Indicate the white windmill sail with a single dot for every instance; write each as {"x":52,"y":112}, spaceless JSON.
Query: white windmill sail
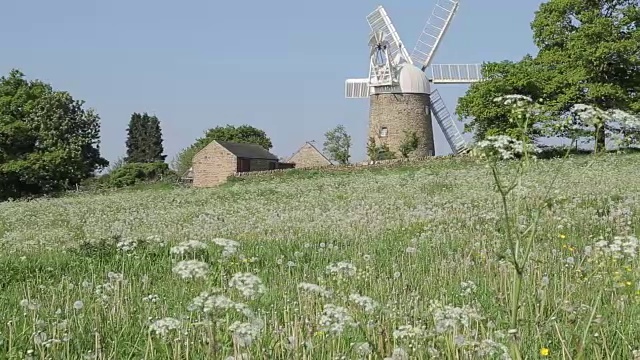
{"x":433,"y":32}
{"x":455,"y":73}
{"x":379,"y":21}
{"x":356,"y":88}
{"x":447,"y":124}
{"x":388,"y":51}
{"x":422,"y":55}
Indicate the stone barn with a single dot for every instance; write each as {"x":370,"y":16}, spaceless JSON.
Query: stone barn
{"x":217,"y":161}
{"x":308,"y":156}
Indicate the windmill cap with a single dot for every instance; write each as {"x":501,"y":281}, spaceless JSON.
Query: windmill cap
{"x":412,"y":80}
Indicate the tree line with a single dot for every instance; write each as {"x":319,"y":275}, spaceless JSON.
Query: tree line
{"x":588,"y":55}
{"x":50,"y":143}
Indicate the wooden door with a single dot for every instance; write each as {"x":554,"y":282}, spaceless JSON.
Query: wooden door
{"x":244,"y":165}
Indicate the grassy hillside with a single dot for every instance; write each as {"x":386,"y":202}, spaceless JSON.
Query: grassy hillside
{"x":358,"y":265}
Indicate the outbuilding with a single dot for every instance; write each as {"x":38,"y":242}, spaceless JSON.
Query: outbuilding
{"x":308,"y":156}
{"x":220,"y":159}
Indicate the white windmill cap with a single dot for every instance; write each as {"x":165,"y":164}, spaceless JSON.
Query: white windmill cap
{"x":412,"y":80}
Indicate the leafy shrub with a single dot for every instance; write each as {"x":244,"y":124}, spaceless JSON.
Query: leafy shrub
{"x":135,"y":173}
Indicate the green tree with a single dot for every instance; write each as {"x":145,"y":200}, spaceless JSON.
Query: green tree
{"x":48,"y":142}
{"x":240,"y":134}
{"x":144,"y":139}
{"x":338,"y":144}
{"x":379,"y":152}
{"x":507,"y":77}
{"x":409,"y":143}
{"x":594,"y":48}
{"x":588,"y":54}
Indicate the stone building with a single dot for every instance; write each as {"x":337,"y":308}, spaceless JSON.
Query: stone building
{"x":217,"y":161}
{"x":308,"y":156}
{"x":395,"y":112}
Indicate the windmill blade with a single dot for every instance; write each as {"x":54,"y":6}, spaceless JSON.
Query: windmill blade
{"x":379,"y":21}
{"x":455,"y":73}
{"x":433,"y":32}
{"x":356,"y":88}
{"x":449,"y":129}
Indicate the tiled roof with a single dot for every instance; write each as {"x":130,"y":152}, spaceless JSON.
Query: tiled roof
{"x":249,"y":151}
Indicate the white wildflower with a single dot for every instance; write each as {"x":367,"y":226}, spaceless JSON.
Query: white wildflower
{"x":126,"y":244}
{"x":334,"y":319}
{"x":115,"y":277}
{"x":188,"y":269}
{"x":367,"y":303}
{"x":468,"y":288}
{"x":545,"y":280}
{"x":40,"y":337}
{"x":342,"y":269}
{"x":157,"y":240}
{"x":208,"y":301}
{"x":363,"y":349}
{"x":491,"y":348}
{"x":188,"y":246}
{"x":619,"y":248}
{"x":151,"y":298}
{"x":244,"y":333}
{"x":590,"y":115}
{"x":504,"y":147}
{"x":409,"y":332}
{"x":314,"y":289}
{"x":398,"y":354}
{"x":450,"y":318}
{"x":29,"y":304}
{"x":229,"y":246}
{"x":78,"y":305}
{"x":248,"y":284}
{"x":163,"y":326}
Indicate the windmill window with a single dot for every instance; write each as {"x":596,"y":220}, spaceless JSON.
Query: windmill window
{"x":383,"y":132}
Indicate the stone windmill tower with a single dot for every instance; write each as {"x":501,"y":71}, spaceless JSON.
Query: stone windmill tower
{"x":399,"y":89}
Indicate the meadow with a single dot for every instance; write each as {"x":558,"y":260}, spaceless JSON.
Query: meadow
{"x":405,"y":263}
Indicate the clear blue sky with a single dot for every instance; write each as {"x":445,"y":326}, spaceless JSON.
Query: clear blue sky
{"x":279,"y":66}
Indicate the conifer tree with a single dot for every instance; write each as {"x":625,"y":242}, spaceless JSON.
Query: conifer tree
{"x":144,"y":139}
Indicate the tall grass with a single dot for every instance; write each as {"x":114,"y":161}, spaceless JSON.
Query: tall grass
{"x":371,"y":265}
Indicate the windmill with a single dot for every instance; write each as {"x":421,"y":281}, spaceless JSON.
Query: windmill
{"x":399,"y":89}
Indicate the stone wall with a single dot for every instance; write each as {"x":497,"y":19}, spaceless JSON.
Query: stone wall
{"x":308,"y":157}
{"x":354,"y":167}
{"x":397,"y":113}
{"x":213,"y":165}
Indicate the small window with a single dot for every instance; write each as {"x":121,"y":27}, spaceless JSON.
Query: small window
{"x":383,"y":132}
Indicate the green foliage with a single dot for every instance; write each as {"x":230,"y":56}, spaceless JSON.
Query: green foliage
{"x":48,"y":142}
{"x":182,"y":161}
{"x":239,"y":134}
{"x":409,"y":143}
{"x":144,"y":139}
{"x":134,"y":173}
{"x":507,"y":77}
{"x":337,"y":144}
{"x":114,"y":165}
{"x":379,"y":152}
{"x":588,"y":54}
